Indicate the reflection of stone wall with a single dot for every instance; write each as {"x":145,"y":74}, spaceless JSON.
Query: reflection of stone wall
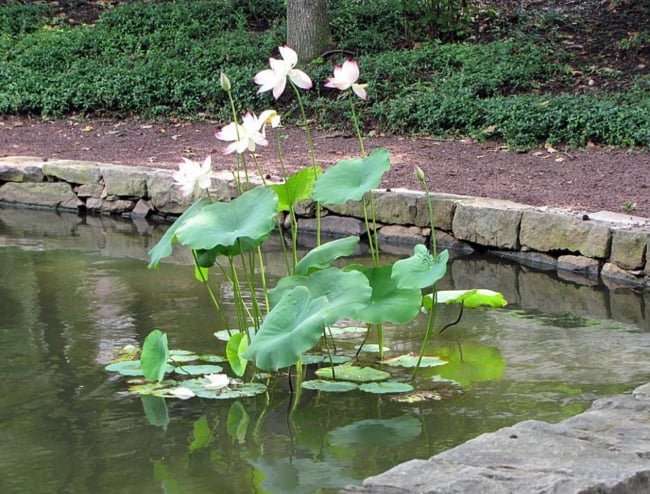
{"x":611,"y":246}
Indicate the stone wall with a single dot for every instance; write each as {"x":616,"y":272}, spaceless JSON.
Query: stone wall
{"x":585,"y":246}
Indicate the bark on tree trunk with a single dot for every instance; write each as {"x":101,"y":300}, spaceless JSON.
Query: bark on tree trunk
{"x":308,"y":31}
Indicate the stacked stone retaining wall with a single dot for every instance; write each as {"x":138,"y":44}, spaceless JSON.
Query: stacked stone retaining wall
{"x":588,"y":245}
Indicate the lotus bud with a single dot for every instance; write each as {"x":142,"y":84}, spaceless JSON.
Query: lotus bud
{"x":419,"y":174}
{"x":225,"y":82}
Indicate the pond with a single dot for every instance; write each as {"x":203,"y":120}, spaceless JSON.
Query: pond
{"x":75,"y":290}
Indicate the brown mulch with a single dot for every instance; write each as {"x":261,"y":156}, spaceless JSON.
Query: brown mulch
{"x":592,"y":179}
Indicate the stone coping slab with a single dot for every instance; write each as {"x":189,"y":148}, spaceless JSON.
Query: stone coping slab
{"x":603,"y":450}
{"x":612,"y":247}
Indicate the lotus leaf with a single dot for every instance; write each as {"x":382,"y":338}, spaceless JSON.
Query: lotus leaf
{"x":420,"y":270}
{"x":353,"y":373}
{"x":237,"y":345}
{"x":239,"y":225}
{"x":386,"y":387}
{"x":155,"y":354}
{"x":412,"y":360}
{"x":469,"y":298}
{"x":349,"y":180}
{"x":198,"y":370}
{"x":292,"y":327}
{"x":298,"y":187}
{"x":164,"y":247}
{"x":329,"y":386}
{"x":324,"y":255}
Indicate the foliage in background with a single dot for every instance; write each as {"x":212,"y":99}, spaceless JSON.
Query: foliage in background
{"x":163,"y":59}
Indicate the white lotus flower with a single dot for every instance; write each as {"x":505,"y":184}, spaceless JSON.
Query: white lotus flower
{"x":182,"y":393}
{"x":216,"y":381}
{"x":275,"y":78}
{"x":192,"y":176}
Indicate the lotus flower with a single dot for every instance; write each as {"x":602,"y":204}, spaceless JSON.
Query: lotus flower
{"x":192,"y":176}
{"x":182,"y":393}
{"x":275,"y":78}
{"x":245,"y":136}
{"x":216,"y":381}
{"x":345,"y":77}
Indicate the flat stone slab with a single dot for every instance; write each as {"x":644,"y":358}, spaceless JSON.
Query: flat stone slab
{"x":603,"y":450}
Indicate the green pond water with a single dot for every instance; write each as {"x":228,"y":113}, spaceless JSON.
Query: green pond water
{"x":73,"y":291}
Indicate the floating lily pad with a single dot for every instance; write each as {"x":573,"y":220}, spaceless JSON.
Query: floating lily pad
{"x":372,"y":348}
{"x":346,"y":331}
{"x":412,"y":360}
{"x":198,"y":370}
{"x":182,"y":356}
{"x":154,"y":389}
{"x":329,"y":386}
{"x":386,"y":387}
{"x":130,"y":368}
{"x":213,"y":359}
{"x":309,"y":359}
{"x":347,"y":372}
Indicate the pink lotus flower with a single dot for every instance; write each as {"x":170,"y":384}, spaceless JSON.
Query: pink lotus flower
{"x":192,"y":176}
{"x":245,"y":136}
{"x":345,"y":77}
{"x":275,"y":78}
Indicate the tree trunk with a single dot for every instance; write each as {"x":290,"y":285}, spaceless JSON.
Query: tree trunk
{"x":308,"y":29}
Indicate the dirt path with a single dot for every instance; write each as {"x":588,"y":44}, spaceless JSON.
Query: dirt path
{"x":592,"y":179}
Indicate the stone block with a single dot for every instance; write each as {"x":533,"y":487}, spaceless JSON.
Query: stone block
{"x":399,"y":239}
{"x":578,"y":264}
{"x":21,"y":169}
{"x":552,"y":231}
{"x":126,"y":181}
{"x":90,"y":190}
{"x":629,"y":248}
{"x":615,"y":277}
{"x":443,"y":205}
{"x":395,"y":207}
{"x":537,"y":260}
{"x":142,"y":209}
{"x":487,"y":222}
{"x":47,"y":195}
{"x":165,"y":196}
{"x":456,"y":248}
{"x":117,"y":206}
{"x":74,"y":171}
{"x":333,"y":226}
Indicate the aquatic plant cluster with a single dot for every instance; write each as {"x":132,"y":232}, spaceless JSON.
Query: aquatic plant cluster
{"x":294,"y":323}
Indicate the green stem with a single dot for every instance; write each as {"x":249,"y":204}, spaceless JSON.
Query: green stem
{"x":213,"y":298}
{"x":312,"y":153}
{"x":355,"y":120}
{"x":429,"y":330}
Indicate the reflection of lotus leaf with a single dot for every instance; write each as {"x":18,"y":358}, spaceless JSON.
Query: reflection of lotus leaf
{"x":377,"y":432}
{"x":468,"y":363}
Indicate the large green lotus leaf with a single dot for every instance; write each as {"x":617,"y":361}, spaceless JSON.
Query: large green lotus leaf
{"x":420,"y":270}
{"x":378,"y":432}
{"x":329,"y":386}
{"x":292,"y":327}
{"x":471,"y":299}
{"x":155,"y":410}
{"x":388,"y":302}
{"x":164,"y":247}
{"x":346,"y":372}
{"x":298,"y":187}
{"x":324,"y":255}
{"x":349,"y":180}
{"x":155,"y":354}
{"x":468,"y":363}
{"x":131,"y":368}
{"x":386,"y":387}
{"x":345,"y":292}
{"x":241,"y":224}
{"x":236,"y":346}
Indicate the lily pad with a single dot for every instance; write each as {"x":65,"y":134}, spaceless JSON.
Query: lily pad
{"x":213,"y":359}
{"x":412,"y":360}
{"x":386,"y":387}
{"x":353,"y":373}
{"x":235,"y":348}
{"x":329,"y":386}
{"x":298,"y":186}
{"x":225,"y":334}
{"x":346,"y":331}
{"x":131,"y":368}
{"x":471,"y":299}
{"x":197,"y":370}
{"x":372,"y":348}
{"x":309,"y":359}
{"x":182,"y":356}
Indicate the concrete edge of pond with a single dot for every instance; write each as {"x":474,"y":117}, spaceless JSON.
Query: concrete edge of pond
{"x":605,"y":449}
{"x":582,"y":245}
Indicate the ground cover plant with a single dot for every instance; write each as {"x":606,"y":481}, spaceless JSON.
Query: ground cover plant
{"x":514,"y":74}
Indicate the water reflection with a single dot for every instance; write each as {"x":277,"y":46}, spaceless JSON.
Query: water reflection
{"x":72,"y":290}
